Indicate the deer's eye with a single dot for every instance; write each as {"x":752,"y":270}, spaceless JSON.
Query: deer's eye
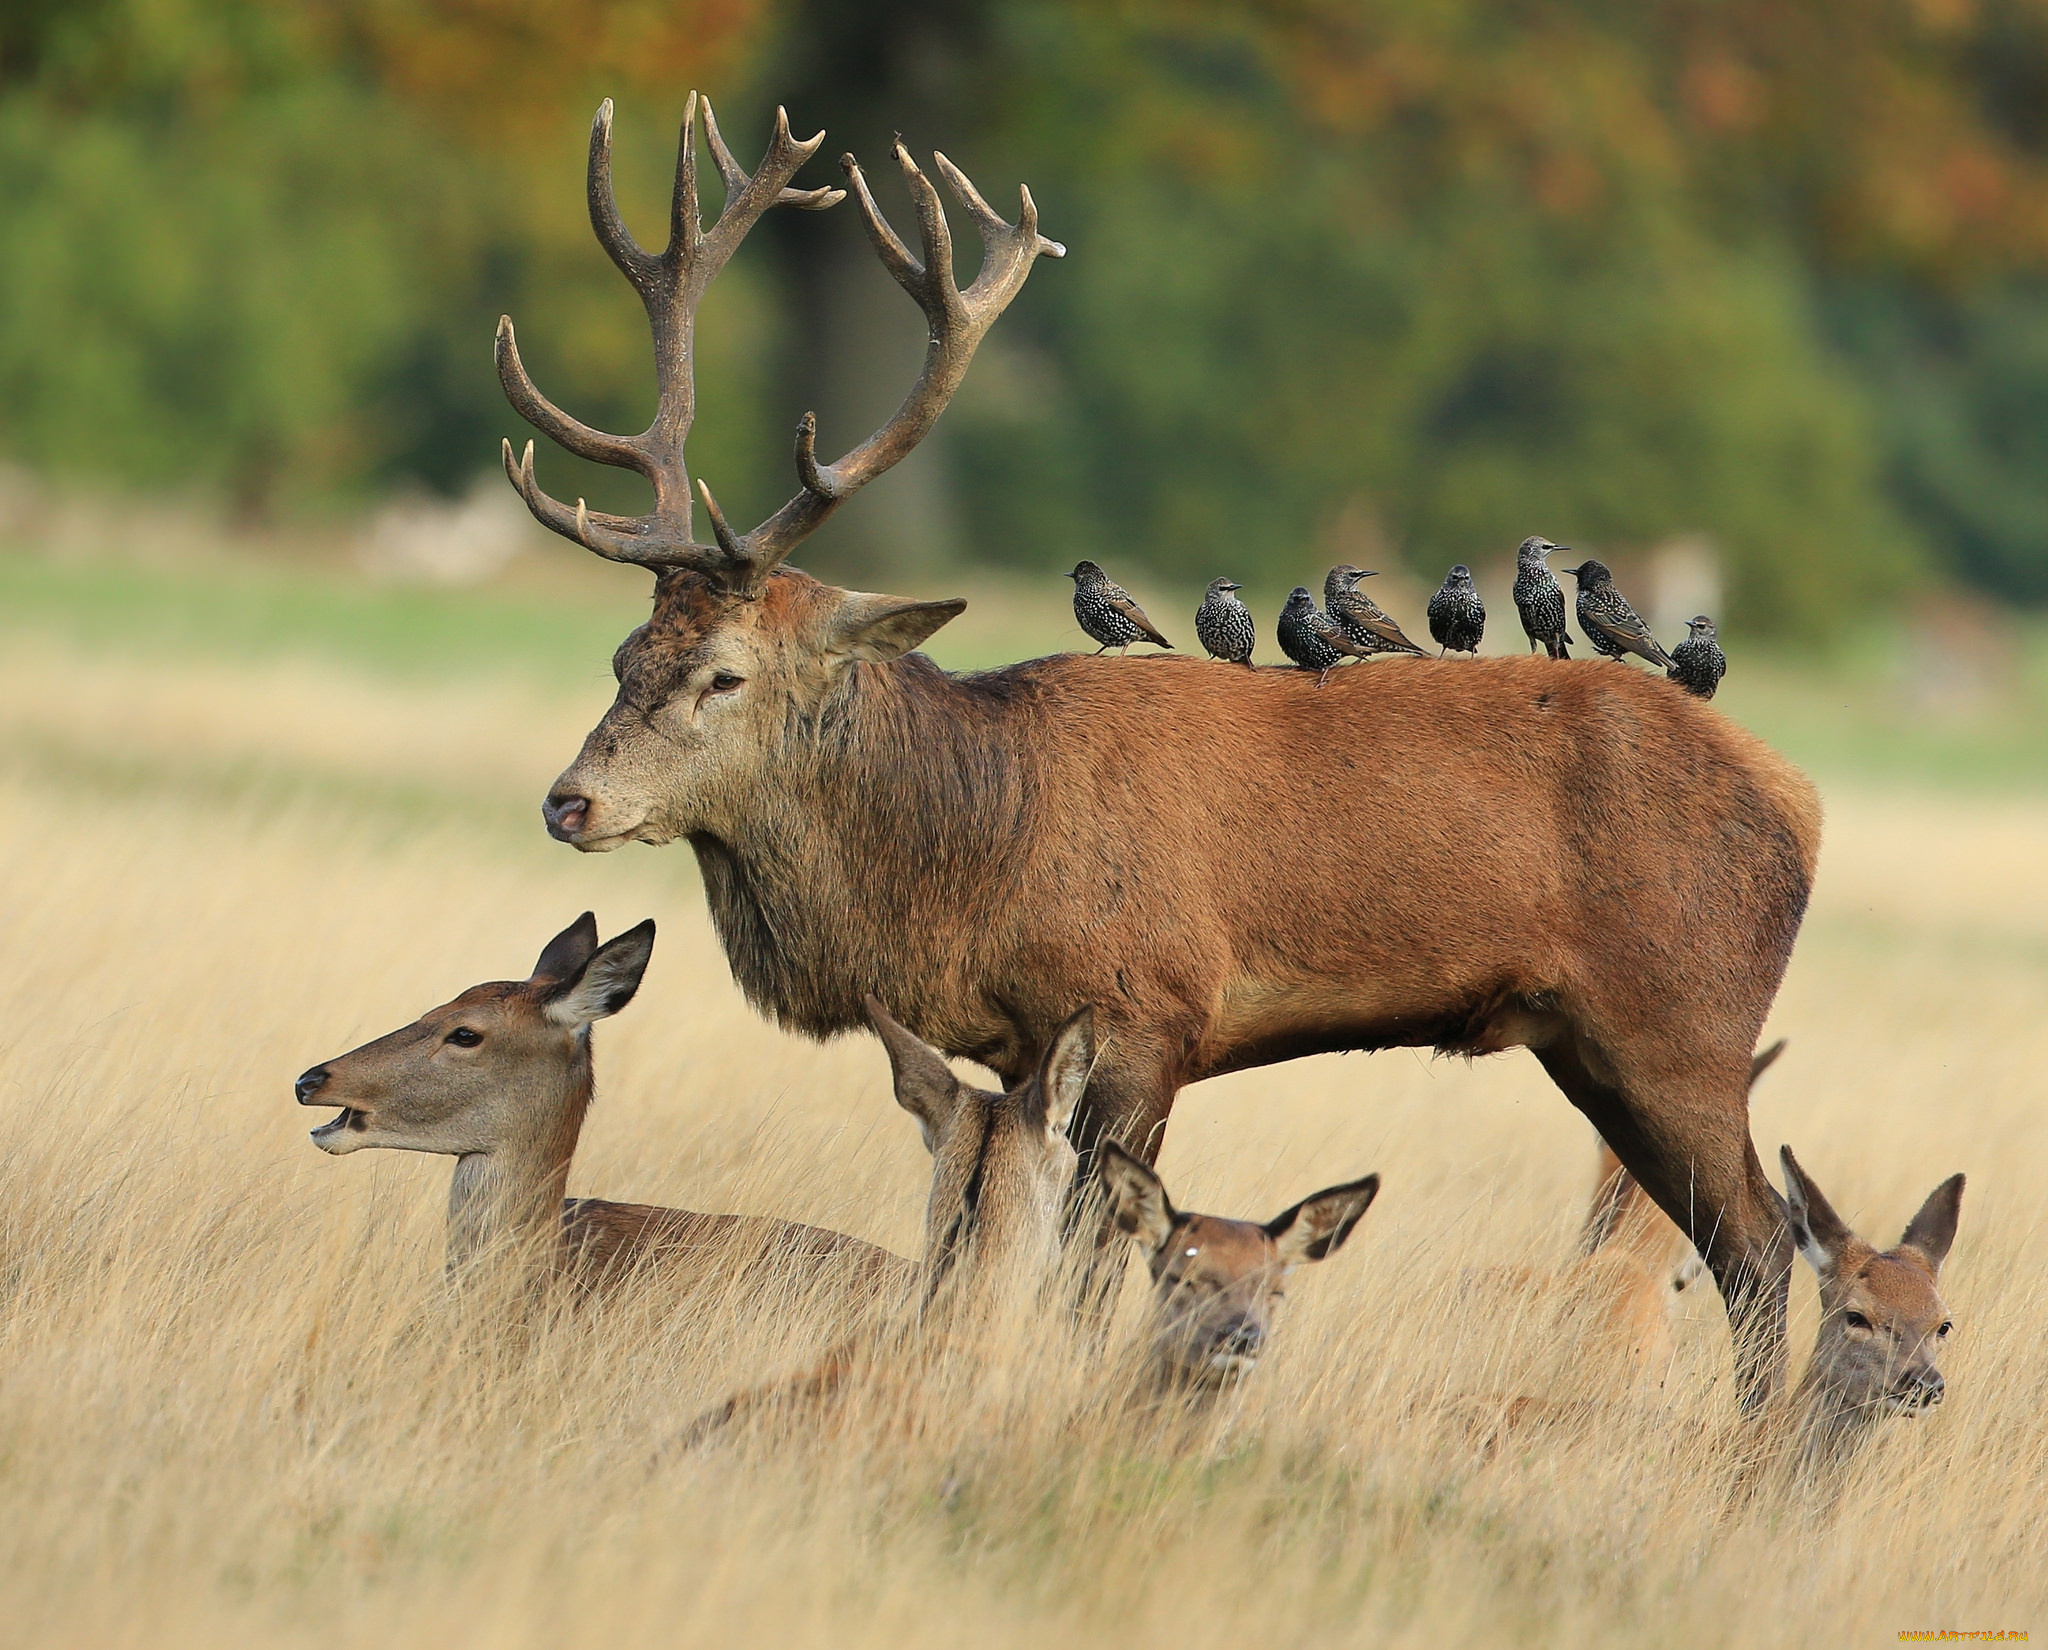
{"x":1942,"y":1332}
{"x":1855,"y":1320}
{"x":463,"y":1037}
{"x":725,"y":682}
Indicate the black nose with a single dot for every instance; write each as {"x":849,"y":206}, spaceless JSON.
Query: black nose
{"x":1244,"y":1340}
{"x":565,"y":815}
{"x":1928,"y":1390}
{"x":310,"y":1084}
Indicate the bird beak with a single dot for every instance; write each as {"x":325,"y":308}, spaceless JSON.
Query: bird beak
{"x":1070,"y":575}
{"x":1371,"y":575}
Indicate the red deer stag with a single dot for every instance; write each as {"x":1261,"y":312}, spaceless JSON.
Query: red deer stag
{"x":1469,"y":855}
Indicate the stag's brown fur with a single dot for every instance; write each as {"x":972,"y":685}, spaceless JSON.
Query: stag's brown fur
{"x":1573,"y":857}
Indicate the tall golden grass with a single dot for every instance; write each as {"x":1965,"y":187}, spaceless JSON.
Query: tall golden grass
{"x":232,"y":1408}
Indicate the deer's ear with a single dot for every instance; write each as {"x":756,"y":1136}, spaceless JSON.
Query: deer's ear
{"x":1933,"y":1229}
{"x":925,"y":1084}
{"x":1820,"y":1233}
{"x":878,"y":628}
{"x":569,"y":950}
{"x":1064,"y":1071}
{"x":1137,"y":1197}
{"x":1317,"y":1226}
{"x":607,"y":980}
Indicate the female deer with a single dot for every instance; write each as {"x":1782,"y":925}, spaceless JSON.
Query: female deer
{"x":500,"y":1079}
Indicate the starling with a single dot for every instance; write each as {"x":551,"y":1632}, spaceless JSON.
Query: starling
{"x":1539,"y":598}
{"x":1457,"y":617}
{"x":1610,"y":624}
{"x":1223,"y":624}
{"x":1104,"y":609}
{"x":1697,"y":663}
{"x":1360,"y":615}
{"x":1311,"y":638}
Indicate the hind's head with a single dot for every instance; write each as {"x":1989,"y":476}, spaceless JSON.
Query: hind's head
{"x":504,"y":1063}
{"x":1217,"y":1283}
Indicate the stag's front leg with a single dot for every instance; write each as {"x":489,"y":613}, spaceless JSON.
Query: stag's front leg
{"x":1129,"y":1097}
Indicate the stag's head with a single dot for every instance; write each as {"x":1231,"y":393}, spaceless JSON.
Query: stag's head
{"x":738,"y":652}
{"x":1001,"y":1164}
{"x":1883,"y":1321}
{"x":1217,"y":1283}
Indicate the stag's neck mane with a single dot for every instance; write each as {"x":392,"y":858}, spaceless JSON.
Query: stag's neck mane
{"x":890,"y":829}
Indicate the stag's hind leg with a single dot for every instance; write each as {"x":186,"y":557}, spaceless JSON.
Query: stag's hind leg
{"x":1684,"y":1135}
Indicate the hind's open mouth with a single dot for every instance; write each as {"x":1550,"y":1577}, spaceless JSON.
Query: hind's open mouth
{"x":333,"y":1136}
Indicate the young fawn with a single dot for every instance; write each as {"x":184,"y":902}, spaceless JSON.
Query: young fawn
{"x":500,"y":1079}
{"x":1882,"y":1322}
{"x":1217,"y":1283}
{"x":1001,"y":1169}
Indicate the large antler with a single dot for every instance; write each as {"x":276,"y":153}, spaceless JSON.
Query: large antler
{"x":671,"y":286}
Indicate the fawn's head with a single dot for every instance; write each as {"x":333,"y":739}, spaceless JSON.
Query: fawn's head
{"x":504,"y":1064}
{"x":1001,"y":1163}
{"x":1883,"y":1321}
{"x":1217,"y":1283}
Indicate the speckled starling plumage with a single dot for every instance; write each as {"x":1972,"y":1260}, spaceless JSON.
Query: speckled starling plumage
{"x":1104,"y":609}
{"x":1223,"y":624}
{"x":1611,"y":625}
{"x":1457,"y":617}
{"x":1539,"y":598}
{"x":1311,"y":638}
{"x":1697,"y":663}
{"x":1361,"y":617}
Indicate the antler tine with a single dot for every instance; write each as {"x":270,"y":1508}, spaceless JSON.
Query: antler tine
{"x":609,"y":536}
{"x":550,"y":420}
{"x":685,"y":227}
{"x":958,"y":323}
{"x":889,"y":247}
{"x":635,"y":262}
{"x":736,"y":179}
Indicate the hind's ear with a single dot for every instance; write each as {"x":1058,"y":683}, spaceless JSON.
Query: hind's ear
{"x":1063,"y":1072}
{"x":886,"y":627}
{"x":925,"y":1084}
{"x":1933,"y":1229}
{"x":1317,"y":1226}
{"x":1820,"y":1233}
{"x":607,"y":980}
{"x":569,"y":950}
{"x":1137,"y":1197}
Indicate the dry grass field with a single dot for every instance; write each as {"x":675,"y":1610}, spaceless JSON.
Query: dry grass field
{"x":232,"y":1411}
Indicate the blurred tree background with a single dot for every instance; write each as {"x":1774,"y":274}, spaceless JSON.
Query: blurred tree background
{"x":1407,"y":279}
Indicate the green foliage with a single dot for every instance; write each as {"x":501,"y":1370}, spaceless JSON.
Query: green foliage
{"x":1407,"y":280}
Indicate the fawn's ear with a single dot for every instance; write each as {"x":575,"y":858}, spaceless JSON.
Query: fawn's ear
{"x":1137,"y":1197}
{"x":1820,"y":1233}
{"x":1317,"y":1226}
{"x":1064,"y":1071}
{"x":569,"y":950}
{"x":1933,"y":1229}
{"x":606,"y":981}
{"x":925,"y":1084}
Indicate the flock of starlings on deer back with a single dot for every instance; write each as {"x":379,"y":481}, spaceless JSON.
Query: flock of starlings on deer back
{"x":501,"y":1077}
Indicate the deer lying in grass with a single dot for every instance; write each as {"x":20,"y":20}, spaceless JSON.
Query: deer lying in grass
{"x":1216,"y":1283}
{"x":500,"y":1079}
{"x":1875,"y":1353}
{"x":1001,"y":1169}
